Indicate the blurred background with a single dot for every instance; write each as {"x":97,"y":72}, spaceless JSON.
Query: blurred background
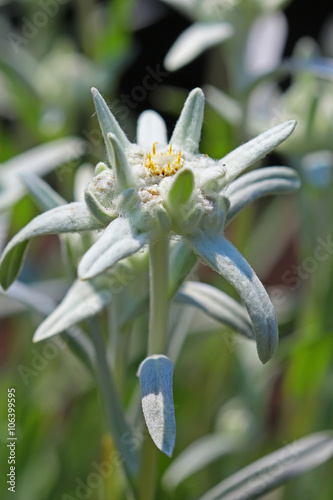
{"x":260,"y":62}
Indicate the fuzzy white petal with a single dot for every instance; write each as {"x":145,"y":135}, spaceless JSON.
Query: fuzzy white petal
{"x":151,"y":128}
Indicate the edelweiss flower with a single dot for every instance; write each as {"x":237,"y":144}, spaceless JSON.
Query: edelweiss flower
{"x":159,"y":188}
{"x":149,"y":193}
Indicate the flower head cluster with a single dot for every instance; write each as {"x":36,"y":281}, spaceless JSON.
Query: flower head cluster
{"x":159,"y":186}
{"x":166,"y":188}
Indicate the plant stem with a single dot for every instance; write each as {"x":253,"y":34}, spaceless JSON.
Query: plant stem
{"x":148,"y":474}
{"x":159,"y":302}
{"x":157,"y":342}
{"x":113,"y":332}
{"x":120,"y":431}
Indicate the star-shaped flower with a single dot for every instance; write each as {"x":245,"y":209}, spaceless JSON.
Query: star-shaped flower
{"x":148,"y":194}
{"x":159,"y":187}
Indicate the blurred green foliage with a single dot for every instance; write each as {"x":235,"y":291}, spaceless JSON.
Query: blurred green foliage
{"x":45,"y":85}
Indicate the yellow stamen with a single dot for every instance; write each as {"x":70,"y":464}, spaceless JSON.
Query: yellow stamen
{"x":163,"y":163}
{"x":179,"y":157}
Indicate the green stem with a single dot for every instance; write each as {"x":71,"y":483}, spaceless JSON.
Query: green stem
{"x":148,"y":470}
{"x":120,"y":431}
{"x":157,"y":343}
{"x":113,"y":332}
{"x":159,"y":302}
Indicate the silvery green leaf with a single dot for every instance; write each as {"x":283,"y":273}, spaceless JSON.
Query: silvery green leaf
{"x":225,"y":259}
{"x":262,"y":182}
{"x":155,"y":374}
{"x":30,"y":297}
{"x":70,"y":218}
{"x":196,"y":456}
{"x":269,"y":472}
{"x":151,"y":128}
{"x":123,"y":174}
{"x":83,"y":300}
{"x":42,"y":193}
{"x":195,"y":40}
{"x":187,"y":131}
{"x":42,"y":159}
{"x":107,"y":121}
{"x":117,"y":242}
{"x":242,"y":157}
{"x":216,"y":304}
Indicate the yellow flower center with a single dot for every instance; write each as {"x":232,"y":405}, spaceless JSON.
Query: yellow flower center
{"x":163,"y":163}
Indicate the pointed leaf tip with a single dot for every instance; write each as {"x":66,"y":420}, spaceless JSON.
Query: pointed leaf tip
{"x":107,"y":121}
{"x":245,"y":155}
{"x":187,"y":131}
{"x":225,"y":259}
{"x":155,"y":374}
